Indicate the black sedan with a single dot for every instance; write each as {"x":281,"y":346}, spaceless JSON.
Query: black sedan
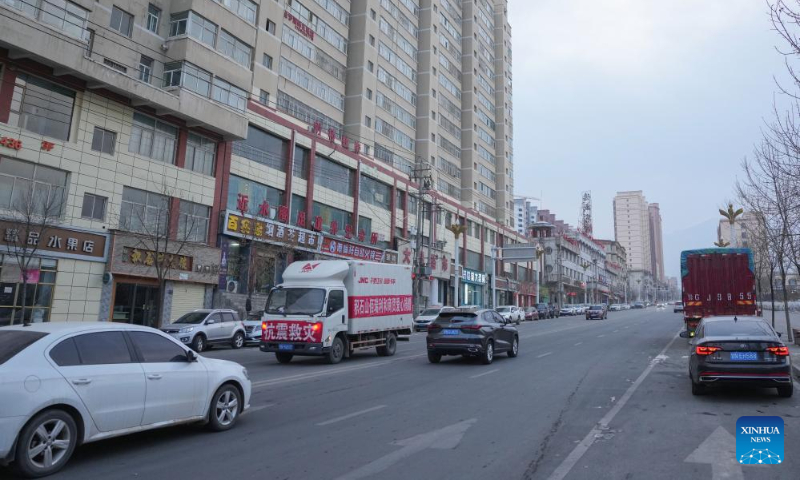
{"x":738,"y":351}
{"x":481,"y":333}
{"x":598,"y":312}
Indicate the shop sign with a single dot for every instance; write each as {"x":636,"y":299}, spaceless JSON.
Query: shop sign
{"x":16,"y":144}
{"x":55,"y":242}
{"x":148,"y":258}
{"x":299,"y":25}
{"x":473,"y":276}
{"x":334,"y":246}
{"x":437,"y":260}
{"x":265,"y":230}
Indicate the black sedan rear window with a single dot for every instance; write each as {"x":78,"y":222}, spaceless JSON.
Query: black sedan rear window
{"x":456,"y":318}
{"x":14,"y":341}
{"x":740,"y":328}
{"x":596,"y":307}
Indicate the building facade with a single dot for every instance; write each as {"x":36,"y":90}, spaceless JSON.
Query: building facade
{"x":526,"y":213}
{"x":656,"y":244}
{"x":632,"y":231}
{"x":252,"y":134}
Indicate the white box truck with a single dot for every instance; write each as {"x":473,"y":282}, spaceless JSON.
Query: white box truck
{"x":333,"y":307}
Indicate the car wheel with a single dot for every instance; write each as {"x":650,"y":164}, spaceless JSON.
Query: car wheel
{"x":785,"y":391}
{"x":434,"y":357}
{"x":46,"y":443}
{"x":199,"y":343}
{"x":284,"y":357}
{"x":224,"y":409}
{"x":488,"y":354}
{"x":514,"y":348}
{"x":336,"y":353}
{"x":698,"y":388}
{"x":238,"y":340}
{"x":390,"y":348}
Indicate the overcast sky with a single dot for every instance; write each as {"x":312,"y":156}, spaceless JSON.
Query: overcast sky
{"x":661,"y":96}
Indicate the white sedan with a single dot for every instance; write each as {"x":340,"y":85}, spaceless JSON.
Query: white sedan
{"x":65,"y":384}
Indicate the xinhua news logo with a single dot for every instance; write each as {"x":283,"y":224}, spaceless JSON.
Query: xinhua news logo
{"x":759,"y":440}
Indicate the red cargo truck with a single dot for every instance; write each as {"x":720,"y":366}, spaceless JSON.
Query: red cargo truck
{"x":717,"y":281}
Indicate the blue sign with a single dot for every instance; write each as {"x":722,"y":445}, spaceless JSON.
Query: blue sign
{"x":759,"y":440}
{"x":473,"y":276}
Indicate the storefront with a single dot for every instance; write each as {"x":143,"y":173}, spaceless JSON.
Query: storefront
{"x":436,"y":288}
{"x":506,"y":290}
{"x":58,"y":265}
{"x":473,"y":284}
{"x":132,"y":288}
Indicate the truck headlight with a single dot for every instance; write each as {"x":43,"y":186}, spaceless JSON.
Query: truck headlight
{"x":185,"y":329}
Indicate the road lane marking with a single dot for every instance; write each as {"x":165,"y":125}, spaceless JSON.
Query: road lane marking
{"x":485,"y":373}
{"x":544,"y":355}
{"x":574,"y":457}
{"x":260,"y":407}
{"x":350,"y":415}
{"x":579,"y":343}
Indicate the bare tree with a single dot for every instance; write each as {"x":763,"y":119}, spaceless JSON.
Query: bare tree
{"x":34,"y":211}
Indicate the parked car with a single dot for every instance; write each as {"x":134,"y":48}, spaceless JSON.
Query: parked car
{"x":202,"y":328}
{"x":637,"y":305}
{"x":567,"y":311}
{"x":252,"y":328}
{"x":678,"y":308}
{"x":511,"y":313}
{"x":427,"y":316}
{"x":71,"y":383}
{"x":481,"y":333}
{"x":741,"y":350}
{"x":546,"y":310}
{"x":531,"y":313}
{"x":598,"y":312}
{"x":626,"y":306}
{"x":615,"y":307}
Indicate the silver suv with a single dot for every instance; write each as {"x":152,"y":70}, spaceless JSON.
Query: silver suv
{"x":202,"y":328}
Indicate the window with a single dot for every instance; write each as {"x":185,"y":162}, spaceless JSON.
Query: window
{"x":271,"y":27}
{"x":65,"y":16}
{"x":396,"y":110}
{"x":185,"y":74}
{"x":372,"y":13}
{"x":14,"y":341}
{"x":312,"y":84}
{"x":121,"y":21}
{"x":389,"y":131}
{"x":243,"y":8}
{"x":104,"y":140}
{"x":367,"y":121}
{"x":41,"y":107}
{"x":145,"y":69}
{"x":369,"y":94}
{"x":65,"y":354}
{"x":103,"y":348}
{"x":334,"y":176}
{"x":370,"y":66}
{"x":200,"y":154}
{"x":330,"y":214}
{"x":94,"y":206}
{"x":153,"y":17}
{"x":307,"y":49}
{"x":256,"y":194}
{"x":263,"y":97}
{"x":153,"y":138}
{"x":227,"y":94}
{"x":153,"y":348}
{"x":195,"y":26}
{"x":335,"y":301}
{"x":372,"y":40}
{"x":143,"y":212}
{"x":116,"y":66}
{"x":234,"y":48}
{"x":178,"y":24}
{"x":267,"y":61}
{"x":375,"y":192}
{"x":300,"y":164}
{"x":264,"y":148}
{"x":193,"y":222}
{"x":21,"y":182}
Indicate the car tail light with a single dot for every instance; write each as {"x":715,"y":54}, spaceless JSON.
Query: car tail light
{"x":434,"y":326}
{"x":781,"y":351}
{"x":702,"y":350}
{"x":472,"y":327}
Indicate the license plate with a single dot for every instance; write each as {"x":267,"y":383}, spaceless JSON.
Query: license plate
{"x":450,"y":331}
{"x":744,"y":356}
{"x":285,"y":346}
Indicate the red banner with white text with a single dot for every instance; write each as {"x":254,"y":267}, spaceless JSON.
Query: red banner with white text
{"x":379,"y":305}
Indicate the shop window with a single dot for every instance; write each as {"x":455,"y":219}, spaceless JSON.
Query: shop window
{"x":104,"y":140}
{"x":253,"y":194}
{"x":94,"y":206}
{"x":263,"y":147}
{"x":375,"y":192}
{"x":193,"y":222}
{"x":365,"y":224}
{"x":41,"y":107}
{"x":200,"y":154}
{"x":29,"y":187}
{"x":329,"y":214}
{"x":301,"y":160}
{"x":298,"y":205}
{"x":334,"y":176}
{"x":143,"y":212}
{"x":39,"y":290}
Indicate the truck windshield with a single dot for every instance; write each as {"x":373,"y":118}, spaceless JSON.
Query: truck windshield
{"x":296,"y":301}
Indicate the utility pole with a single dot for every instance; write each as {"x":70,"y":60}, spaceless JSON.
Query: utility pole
{"x":558,"y":274}
{"x":422,"y":176}
{"x":457,"y":230}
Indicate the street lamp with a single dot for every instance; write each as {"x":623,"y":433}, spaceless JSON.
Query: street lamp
{"x":731,"y":215}
{"x":457,"y":231}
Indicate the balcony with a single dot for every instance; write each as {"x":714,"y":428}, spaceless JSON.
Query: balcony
{"x":83,"y":58}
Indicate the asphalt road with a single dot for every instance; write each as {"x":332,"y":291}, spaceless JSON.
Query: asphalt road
{"x":583,"y":400}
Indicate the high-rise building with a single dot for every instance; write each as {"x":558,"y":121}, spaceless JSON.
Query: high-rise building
{"x":743,"y":228}
{"x":526,"y":213}
{"x":290,"y":129}
{"x":656,"y":243}
{"x":632,"y":231}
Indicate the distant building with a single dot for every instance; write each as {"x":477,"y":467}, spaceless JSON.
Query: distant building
{"x":525,"y":214}
{"x":656,"y":243}
{"x":743,"y":228}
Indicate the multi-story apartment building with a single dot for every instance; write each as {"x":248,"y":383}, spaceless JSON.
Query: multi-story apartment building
{"x":632,"y":231}
{"x":526,"y":213}
{"x":617,"y":269}
{"x":252,"y":133}
{"x":742,"y":229}
{"x":656,"y":244}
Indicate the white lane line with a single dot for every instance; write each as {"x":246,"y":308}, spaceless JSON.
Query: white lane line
{"x":544,"y":355}
{"x":260,"y":407}
{"x":580,"y":449}
{"x":349,"y":416}
{"x":579,"y":343}
{"x":485,"y":373}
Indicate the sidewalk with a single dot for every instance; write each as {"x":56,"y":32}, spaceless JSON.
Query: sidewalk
{"x":780,"y":326}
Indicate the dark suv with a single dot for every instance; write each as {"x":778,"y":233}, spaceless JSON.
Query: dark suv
{"x":596,"y":311}
{"x":547,"y":311}
{"x":481,"y":333}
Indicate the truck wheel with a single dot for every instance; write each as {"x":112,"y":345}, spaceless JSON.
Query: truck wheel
{"x":284,"y":357}
{"x":238,"y":340}
{"x":488,"y":355}
{"x":785,"y":392}
{"x":390,"y":348}
{"x":434,"y":357}
{"x":336,"y":352}
{"x":199,"y":343}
